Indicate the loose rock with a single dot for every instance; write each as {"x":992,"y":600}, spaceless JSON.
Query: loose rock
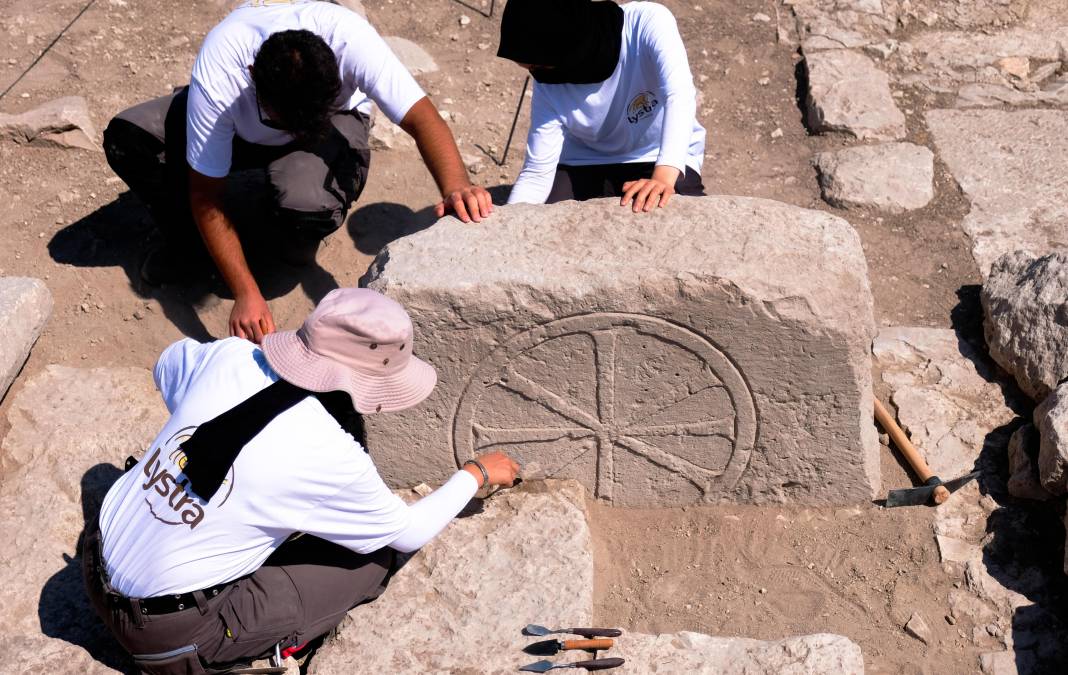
{"x":25,"y":306}
{"x":1024,"y":481}
{"x":893,"y":177}
{"x":64,"y":122}
{"x":917,"y":627}
{"x":1025,"y":318}
{"x":415,"y":58}
{"x":847,"y":92}
{"x":1051,"y":418}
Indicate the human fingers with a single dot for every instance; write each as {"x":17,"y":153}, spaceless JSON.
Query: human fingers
{"x":666,"y":195}
{"x":253,"y":329}
{"x":439,"y":208}
{"x":235,"y":330}
{"x":473,"y":207}
{"x":642,"y":198}
{"x":629,"y":192}
{"x":485,"y":201}
{"x":456,"y":200}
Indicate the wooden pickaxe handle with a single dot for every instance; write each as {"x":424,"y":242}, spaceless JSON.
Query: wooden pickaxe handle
{"x":915,"y":459}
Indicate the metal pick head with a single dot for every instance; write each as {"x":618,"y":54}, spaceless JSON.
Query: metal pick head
{"x":918,"y":496}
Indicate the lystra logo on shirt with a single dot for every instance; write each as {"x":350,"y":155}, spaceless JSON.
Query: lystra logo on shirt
{"x":167,"y":496}
{"x":641,"y":106}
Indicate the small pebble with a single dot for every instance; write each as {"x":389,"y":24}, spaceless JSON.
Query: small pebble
{"x":464,"y":19}
{"x":761,"y":17}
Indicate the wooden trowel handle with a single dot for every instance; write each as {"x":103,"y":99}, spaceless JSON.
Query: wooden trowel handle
{"x":914,"y":458}
{"x":591,"y":645}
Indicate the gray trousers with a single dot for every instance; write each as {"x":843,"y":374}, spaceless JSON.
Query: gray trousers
{"x":303,"y":591}
{"x":313,"y":185}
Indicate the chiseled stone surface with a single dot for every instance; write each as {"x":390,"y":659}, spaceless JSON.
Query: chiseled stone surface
{"x":460,"y":604}
{"x":698,"y":654}
{"x":847,"y":92}
{"x":25,"y":306}
{"x":893,"y":177}
{"x":718,"y":350}
{"x":64,"y":122}
{"x":1051,"y":418}
{"x":71,"y":430}
{"x":1025,"y":308}
{"x":1010,"y":165}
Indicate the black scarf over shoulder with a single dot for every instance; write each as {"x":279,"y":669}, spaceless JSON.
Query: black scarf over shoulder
{"x":215,"y":445}
{"x":572,"y":41}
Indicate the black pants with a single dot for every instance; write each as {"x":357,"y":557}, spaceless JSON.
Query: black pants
{"x":312,"y":186}
{"x":606,"y":180}
{"x":303,"y":591}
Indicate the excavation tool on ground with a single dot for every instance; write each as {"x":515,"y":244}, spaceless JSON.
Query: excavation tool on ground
{"x":933,"y":488}
{"x":535,"y":629}
{"x":595,"y":664}
{"x":550,"y":647}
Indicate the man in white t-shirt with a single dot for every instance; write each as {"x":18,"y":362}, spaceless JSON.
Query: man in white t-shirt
{"x":193,"y":563}
{"x":286,"y":87}
{"x":614,"y":108}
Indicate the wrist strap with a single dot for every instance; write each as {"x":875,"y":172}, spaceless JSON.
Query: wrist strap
{"x":485,"y":474}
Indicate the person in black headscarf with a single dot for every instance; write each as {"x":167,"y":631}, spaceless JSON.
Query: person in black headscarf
{"x":614,"y":105}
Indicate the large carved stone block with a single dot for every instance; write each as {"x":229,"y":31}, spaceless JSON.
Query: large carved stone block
{"x":716,"y":350}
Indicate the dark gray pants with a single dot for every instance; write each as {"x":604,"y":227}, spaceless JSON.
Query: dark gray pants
{"x":303,"y":591}
{"x":606,"y":180}
{"x":312,"y":185}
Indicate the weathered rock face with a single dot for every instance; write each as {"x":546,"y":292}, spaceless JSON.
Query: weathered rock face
{"x":1024,"y":481}
{"x":1051,"y":418}
{"x":717,"y":350}
{"x":25,"y":306}
{"x":698,"y":654}
{"x":847,"y":92}
{"x":1011,"y":167}
{"x":893,"y":177}
{"x":64,"y":122}
{"x":71,"y":429}
{"x":459,"y":605}
{"x":1025,"y":307}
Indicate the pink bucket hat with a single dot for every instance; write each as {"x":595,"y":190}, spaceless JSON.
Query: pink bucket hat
{"x":358,"y":341}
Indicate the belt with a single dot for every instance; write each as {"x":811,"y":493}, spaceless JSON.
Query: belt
{"x":168,"y":604}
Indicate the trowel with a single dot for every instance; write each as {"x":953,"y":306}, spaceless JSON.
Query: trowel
{"x":550,"y":647}
{"x":934,"y":489}
{"x":595,"y":664}
{"x":535,"y":629}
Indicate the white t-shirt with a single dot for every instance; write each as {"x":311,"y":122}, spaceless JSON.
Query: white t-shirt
{"x":645,"y":112}
{"x":222,"y":100}
{"x":302,"y":473}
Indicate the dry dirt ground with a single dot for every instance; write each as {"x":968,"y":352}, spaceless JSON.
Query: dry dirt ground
{"x":759,"y":572}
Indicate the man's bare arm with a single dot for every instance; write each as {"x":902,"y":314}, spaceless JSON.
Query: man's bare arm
{"x":438,"y":148}
{"x":250,"y":318}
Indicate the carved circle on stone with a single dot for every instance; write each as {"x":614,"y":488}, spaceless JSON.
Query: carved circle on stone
{"x":628,"y":404}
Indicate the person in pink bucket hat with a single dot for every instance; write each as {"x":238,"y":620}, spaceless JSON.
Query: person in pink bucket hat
{"x":256,"y":519}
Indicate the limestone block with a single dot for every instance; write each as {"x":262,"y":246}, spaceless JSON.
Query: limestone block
{"x":460,"y":604}
{"x":893,"y":177}
{"x":1024,"y":481}
{"x":1051,"y":418}
{"x":698,"y":654}
{"x":414,"y":57}
{"x":847,"y":92}
{"x":1025,"y":319}
{"x":25,"y":306}
{"x":1010,"y":165}
{"x":717,"y":350}
{"x":71,"y":430}
{"x":64,"y":122}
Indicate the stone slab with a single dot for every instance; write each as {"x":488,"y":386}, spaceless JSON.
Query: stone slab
{"x":1051,"y":418}
{"x":25,"y":307}
{"x":1010,"y":165}
{"x":71,"y":430}
{"x":1025,"y":318}
{"x":1024,"y":480}
{"x":460,"y":604}
{"x":64,"y":122}
{"x":717,"y":350}
{"x":698,"y":654}
{"x":892,"y":177}
{"x":412,"y":56}
{"x":847,"y":92}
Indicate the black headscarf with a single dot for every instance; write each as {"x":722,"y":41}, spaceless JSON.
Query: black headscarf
{"x":578,"y":39}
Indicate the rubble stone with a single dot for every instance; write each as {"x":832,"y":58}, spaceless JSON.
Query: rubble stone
{"x":1026,"y":318}
{"x":1024,"y":481}
{"x":1010,"y":165}
{"x":71,"y":428}
{"x":526,"y":558}
{"x":415,"y":58}
{"x":917,"y":627}
{"x":25,"y":306}
{"x":847,"y":92}
{"x":672,"y":358}
{"x":1051,"y":418}
{"x":893,"y":177}
{"x":64,"y":122}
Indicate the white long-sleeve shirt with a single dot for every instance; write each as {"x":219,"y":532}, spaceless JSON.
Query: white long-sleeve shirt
{"x":302,"y":473}
{"x":645,"y":112}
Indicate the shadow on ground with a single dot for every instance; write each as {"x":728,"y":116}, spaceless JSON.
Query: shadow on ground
{"x":63,"y":608}
{"x":119,"y":233}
